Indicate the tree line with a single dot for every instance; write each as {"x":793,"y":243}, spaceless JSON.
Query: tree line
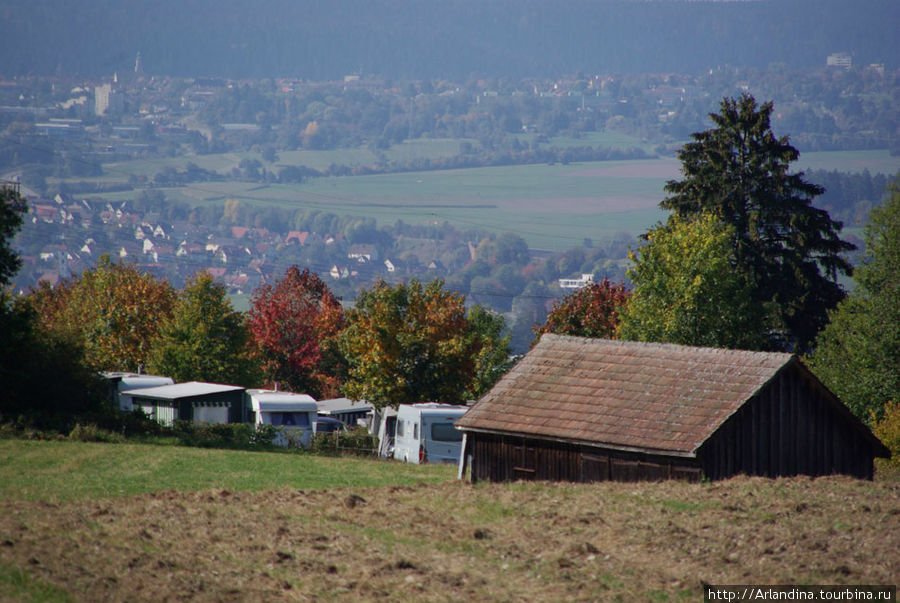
{"x":403,"y":343}
{"x":744,"y":260}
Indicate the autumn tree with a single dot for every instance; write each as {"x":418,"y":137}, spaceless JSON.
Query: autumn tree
{"x":738,"y":171}
{"x":112,"y":311}
{"x":409,"y":343}
{"x":858,"y":354}
{"x":204,"y":339}
{"x":591,"y":311}
{"x":689,"y":290}
{"x":293,"y":325}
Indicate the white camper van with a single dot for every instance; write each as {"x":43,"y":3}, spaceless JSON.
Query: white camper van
{"x":295,"y":414}
{"x":425,"y":433}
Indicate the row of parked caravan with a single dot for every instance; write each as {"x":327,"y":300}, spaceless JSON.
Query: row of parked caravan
{"x":413,"y":433}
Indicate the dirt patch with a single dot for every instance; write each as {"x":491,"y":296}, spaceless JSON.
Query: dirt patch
{"x":668,"y":169}
{"x":533,"y":541}
{"x":586,"y":205}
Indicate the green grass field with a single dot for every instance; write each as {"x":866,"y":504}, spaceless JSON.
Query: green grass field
{"x":408,"y":150}
{"x":877,"y":162}
{"x":551,"y":206}
{"x":67,"y":471}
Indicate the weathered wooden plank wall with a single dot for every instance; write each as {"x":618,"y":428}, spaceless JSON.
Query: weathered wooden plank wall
{"x":506,"y":458}
{"x":790,"y":428}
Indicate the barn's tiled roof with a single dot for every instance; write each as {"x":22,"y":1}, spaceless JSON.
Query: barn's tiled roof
{"x":647,"y":396}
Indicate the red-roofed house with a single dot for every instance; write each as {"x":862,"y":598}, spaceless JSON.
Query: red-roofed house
{"x":296,"y":237}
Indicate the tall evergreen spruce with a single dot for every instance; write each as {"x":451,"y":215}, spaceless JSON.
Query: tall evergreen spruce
{"x":790,"y":250}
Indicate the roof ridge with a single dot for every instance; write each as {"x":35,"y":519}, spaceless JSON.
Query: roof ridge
{"x":658,"y":344}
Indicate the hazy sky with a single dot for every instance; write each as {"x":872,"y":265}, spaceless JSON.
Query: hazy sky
{"x":324,"y":39}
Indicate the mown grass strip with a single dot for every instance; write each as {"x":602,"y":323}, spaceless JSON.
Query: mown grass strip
{"x":69,"y":471}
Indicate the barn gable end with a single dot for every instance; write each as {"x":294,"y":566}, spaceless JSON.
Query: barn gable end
{"x":792,"y":426}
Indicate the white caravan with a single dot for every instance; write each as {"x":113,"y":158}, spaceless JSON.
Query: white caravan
{"x":293,"y":414}
{"x":425,"y":433}
{"x":121,"y":382}
{"x":384,"y":425}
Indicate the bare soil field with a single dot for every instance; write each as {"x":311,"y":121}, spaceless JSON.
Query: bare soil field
{"x":582,"y":206}
{"x":455,"y":541}
{"x":666,"y":168}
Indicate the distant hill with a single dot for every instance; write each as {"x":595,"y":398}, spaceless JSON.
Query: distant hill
{"x":453,"y":39}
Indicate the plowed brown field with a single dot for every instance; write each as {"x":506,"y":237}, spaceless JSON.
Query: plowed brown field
{"x":455,"y":541}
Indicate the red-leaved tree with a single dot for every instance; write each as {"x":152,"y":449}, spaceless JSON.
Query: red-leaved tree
{"x":592,"y":311}
{"x":294,"y":324}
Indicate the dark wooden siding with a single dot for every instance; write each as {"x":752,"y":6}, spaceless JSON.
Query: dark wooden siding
{"x":791,"y":427}
{"x":507,"y":457}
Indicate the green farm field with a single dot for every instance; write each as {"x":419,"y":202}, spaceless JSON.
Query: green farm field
{"x":199,"y":525}
{"x":66,"y":471}
{"x":551,"y":206}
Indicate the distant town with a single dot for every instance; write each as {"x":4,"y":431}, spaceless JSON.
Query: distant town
{"x":64,"y":138}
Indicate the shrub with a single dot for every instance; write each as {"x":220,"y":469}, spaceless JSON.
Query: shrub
{"x":92,"y":433}
{"x":358,"y":442}
{"x":241,"y":436}
{"x":213,"y":435}
{"x":888,"y":431}
{"x":131,"y":424}
{"x":21,"y":429}
{"x":263,"y":435}
{"x":8,"y":432}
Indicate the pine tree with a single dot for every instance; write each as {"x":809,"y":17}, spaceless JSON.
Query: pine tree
{"x":790,"y":250}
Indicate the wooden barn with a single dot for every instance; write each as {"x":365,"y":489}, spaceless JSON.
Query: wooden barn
{"x":578,"y":409}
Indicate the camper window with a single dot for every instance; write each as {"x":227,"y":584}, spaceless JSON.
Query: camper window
{"x":291,"y":419}
{"x":445,"y":432}
{"x":415,"y":431}
{"x":400,"y":429}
